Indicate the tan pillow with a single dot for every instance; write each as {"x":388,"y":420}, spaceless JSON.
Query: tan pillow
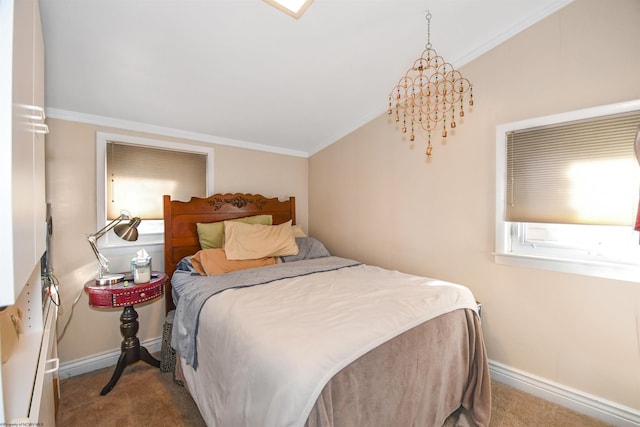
{"x":253,"y":241}
{"x":211,"y":235}
{"x":209,"y":262}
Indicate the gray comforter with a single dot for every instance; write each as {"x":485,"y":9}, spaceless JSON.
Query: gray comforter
{"x":194,"y":291}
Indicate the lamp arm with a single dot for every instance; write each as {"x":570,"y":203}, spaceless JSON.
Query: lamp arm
{"x":104,"y":230}
{"x":104,"y":262}
{"x":93,"y":239}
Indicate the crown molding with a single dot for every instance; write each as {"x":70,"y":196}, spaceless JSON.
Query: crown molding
{"x":74,"y":116}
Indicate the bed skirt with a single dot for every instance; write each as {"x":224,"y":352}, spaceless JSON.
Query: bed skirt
{"x":432,"y":375}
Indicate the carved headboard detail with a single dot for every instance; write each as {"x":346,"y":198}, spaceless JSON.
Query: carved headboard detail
{"x":239,"y":201}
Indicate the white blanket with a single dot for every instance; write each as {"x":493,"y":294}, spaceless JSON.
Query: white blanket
{"x":266,"y":352}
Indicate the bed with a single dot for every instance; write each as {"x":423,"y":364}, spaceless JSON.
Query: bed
{"x":311,"y":339}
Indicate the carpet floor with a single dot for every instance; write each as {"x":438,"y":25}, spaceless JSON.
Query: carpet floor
{"x":144,"y":396}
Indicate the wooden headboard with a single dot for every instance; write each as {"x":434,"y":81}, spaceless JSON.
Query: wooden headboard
{"x":180,"y":219}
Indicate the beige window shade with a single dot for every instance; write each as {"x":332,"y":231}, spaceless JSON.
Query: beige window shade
{"x":138,"y":177}
{"x":580,"y":172}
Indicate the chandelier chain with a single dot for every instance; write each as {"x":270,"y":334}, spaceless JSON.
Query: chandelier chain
{"x":428,"y":18}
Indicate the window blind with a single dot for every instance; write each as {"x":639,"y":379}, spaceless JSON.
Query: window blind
{"x":138,"y":177}
{"x":579,"y":172}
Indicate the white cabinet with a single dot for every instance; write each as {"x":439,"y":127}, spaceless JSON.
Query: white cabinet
{"x":38,"y":129}
{"x":22,"y":129}
{"x":28,"y":380}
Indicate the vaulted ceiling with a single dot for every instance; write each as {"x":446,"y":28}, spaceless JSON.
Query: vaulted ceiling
{"x":243,"y":73}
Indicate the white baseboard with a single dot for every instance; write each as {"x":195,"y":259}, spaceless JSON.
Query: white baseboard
{"x":102,"y":360}
{"x":602,"y":409}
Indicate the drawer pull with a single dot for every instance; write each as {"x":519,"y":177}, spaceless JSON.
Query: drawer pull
{"x":142,"y":295}
{"x":56,"y":365}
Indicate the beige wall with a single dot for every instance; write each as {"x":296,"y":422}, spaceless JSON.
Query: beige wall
{"x":71,"y":189}
{"x":374,"y":197}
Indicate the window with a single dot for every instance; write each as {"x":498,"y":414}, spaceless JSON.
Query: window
{"x":137,"y":172}
{"x":567,"y":192}
{"x":138,"y":177}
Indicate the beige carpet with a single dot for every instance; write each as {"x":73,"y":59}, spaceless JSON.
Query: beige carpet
{"x":146,"y":397}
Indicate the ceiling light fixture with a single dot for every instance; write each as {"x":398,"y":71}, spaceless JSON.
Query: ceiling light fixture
{"x":293,"y":8}
{"x":429,"y":90}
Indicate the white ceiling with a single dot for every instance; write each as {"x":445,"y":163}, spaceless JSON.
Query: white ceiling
{"x":241,"y":72}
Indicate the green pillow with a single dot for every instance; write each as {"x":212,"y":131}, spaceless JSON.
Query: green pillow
{"x":211,"y":235}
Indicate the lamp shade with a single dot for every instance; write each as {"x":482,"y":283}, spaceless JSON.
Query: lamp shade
{"x":128,"y":231}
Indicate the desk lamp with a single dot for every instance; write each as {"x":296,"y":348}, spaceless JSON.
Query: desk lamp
{"x":128,"y":231}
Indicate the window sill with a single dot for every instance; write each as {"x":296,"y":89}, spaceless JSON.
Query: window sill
{"x":630,"y":273}
{"x":130,"y":247}
{"x":144,"y":239}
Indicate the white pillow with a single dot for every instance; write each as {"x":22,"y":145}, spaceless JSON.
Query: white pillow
{"x":253,"y":241}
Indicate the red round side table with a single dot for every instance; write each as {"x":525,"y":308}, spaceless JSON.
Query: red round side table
{"x":127,"y":294}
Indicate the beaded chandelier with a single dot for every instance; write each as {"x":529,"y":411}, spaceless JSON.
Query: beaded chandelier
{"x":430,"y":91}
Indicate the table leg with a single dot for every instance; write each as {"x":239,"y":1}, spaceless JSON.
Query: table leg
{"x":132,"y":351}
{"x":116,"y":374}
{"x":145,"y":356}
